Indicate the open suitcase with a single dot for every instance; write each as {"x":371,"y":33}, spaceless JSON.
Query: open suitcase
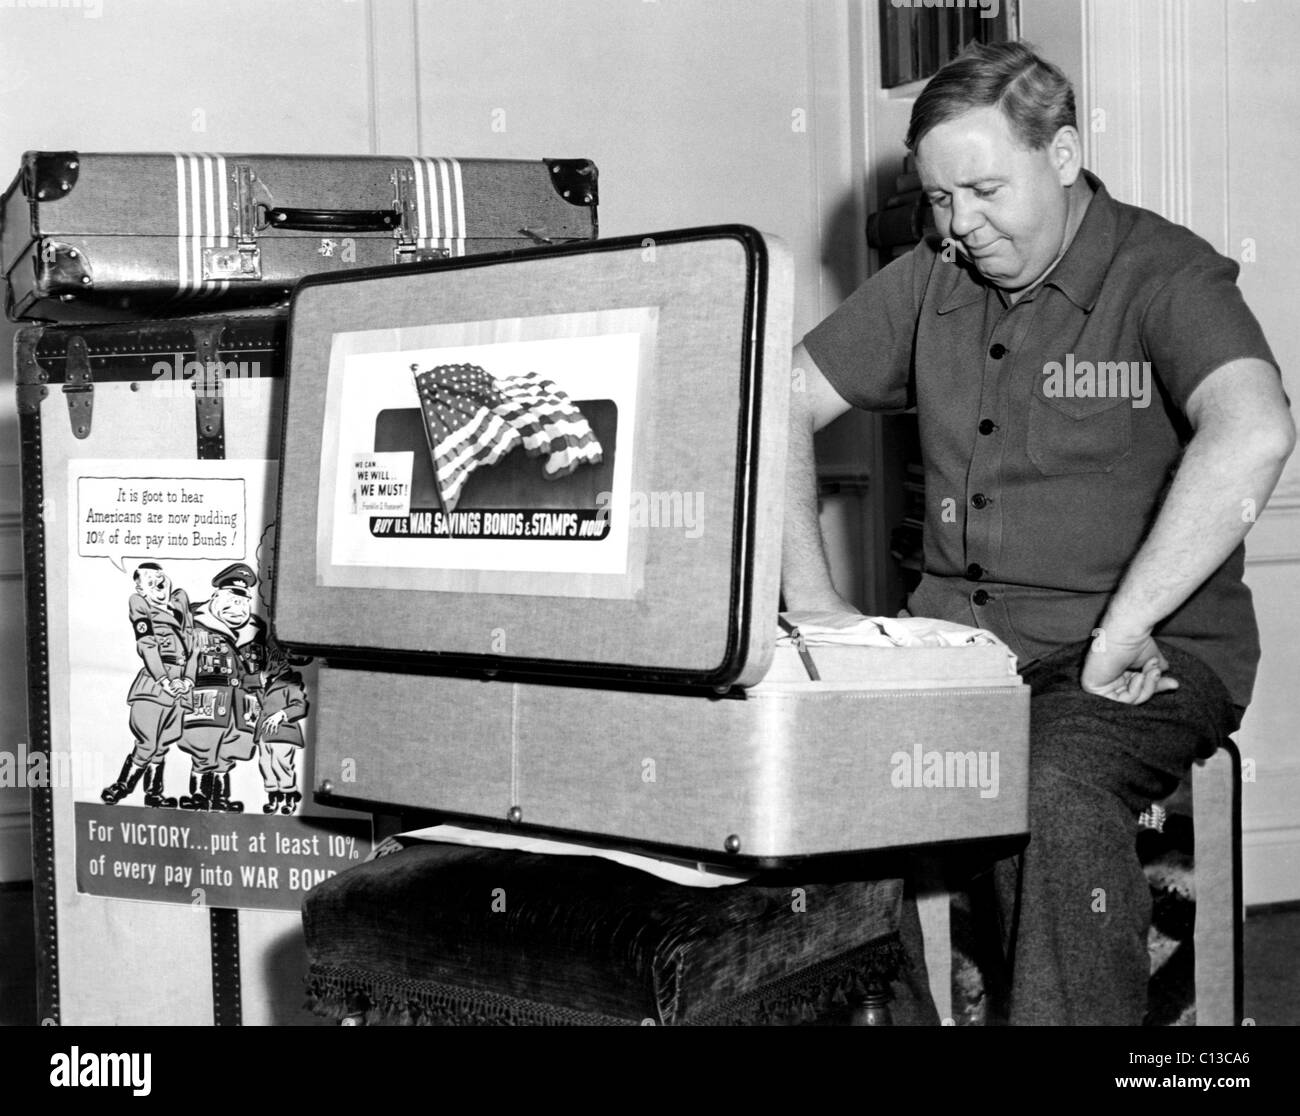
{"x":531,"y":514}
{"x":87,"y":236}
{"x":158,"y":914}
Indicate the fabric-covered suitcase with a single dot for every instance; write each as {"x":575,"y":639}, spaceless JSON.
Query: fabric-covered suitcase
{"x":87,"y":236}
{"x":625,"y":612}
{"x":149,"y":454}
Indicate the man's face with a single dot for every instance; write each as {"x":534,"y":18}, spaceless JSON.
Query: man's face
{"x":231,"y":608}
{"x":152,"y":585}
{"x":1006,"y":207}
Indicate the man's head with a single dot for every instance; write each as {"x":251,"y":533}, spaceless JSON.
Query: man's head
{"x":151,"y":583}
{"x":232,"y":603}
{"x":997,"y":149}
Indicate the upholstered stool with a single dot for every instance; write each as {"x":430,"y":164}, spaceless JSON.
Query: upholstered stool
{"x":445,"y":934}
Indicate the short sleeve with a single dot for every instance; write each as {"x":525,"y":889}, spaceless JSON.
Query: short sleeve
{"x":864,"y":349}
{"x":1197,"y":322}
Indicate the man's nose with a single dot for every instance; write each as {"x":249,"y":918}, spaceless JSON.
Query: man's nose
{"x":966,"y":217}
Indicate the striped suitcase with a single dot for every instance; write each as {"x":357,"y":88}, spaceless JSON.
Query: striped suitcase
{"x":101,"y":237}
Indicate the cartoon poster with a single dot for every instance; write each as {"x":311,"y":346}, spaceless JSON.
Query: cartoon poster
{"x":504,"y":448}
{"x":196,"y":720}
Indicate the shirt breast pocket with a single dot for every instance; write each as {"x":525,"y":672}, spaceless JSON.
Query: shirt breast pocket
{"x":1078,"y":435}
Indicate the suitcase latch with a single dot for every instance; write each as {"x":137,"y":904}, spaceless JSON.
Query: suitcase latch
{"x":408,"y":249}
{"x":243,"y":261}
{"x":801,"y":646}
{"x":79,"y":387}
{"x":411,"y":253}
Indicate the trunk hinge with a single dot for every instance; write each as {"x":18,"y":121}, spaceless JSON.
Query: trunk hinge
{"x":30,"y":378}
{"x":79,"y":387}
{"x":209,"y":404}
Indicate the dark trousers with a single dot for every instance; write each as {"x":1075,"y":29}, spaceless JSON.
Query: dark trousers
{"x":1075,"y":903}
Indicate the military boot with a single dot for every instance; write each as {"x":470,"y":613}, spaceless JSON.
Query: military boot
{"x":291,"y":800}
{"x":272,"y":804}
{"x":200,"y":792}
{"x":221,"y":799}
{"x":126,"y":781}
{"x":153,"y":788}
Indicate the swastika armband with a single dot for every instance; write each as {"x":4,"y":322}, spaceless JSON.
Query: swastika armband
{"x":143,"y":627}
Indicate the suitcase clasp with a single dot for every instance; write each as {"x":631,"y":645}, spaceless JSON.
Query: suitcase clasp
{"x":412,"y":253}
{"x":244,"y":261}
{"x":408,"y":248}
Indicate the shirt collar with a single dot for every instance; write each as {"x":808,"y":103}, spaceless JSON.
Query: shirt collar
{"x":1082,"y":269}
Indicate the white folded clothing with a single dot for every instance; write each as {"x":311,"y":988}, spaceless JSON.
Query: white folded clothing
{"x":849,"y":629}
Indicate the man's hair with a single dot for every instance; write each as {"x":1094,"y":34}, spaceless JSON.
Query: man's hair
{"x":1033,"y":95}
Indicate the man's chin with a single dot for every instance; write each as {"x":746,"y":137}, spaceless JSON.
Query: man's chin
{"x":1000,"y":276}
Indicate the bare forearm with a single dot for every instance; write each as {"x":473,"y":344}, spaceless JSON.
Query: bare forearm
{"x":805,"y":573}
{"x":1221,"y":485}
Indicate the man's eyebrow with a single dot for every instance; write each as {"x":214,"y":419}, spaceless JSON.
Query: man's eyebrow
{"x":985,"y":180}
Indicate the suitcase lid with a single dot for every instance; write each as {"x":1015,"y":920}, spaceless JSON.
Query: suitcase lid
{"x":218,"y":197}
{"x":558,"y":462}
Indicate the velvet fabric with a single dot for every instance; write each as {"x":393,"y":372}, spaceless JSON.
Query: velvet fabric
{"x":450,"y":934}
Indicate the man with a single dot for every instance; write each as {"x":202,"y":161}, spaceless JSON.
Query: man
{"x":230,"y":649}
{"x":1092,"y":520}
{"x":279,"y":733}
{"x":164,"y":640}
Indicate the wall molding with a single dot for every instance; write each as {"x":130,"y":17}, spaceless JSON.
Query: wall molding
{"x":1268,"y":860}
{"x":1276,"y":536}
{"x":1138,"y":67}
{"x":393,"y":77}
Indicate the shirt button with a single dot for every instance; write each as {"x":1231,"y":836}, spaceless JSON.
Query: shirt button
{"x":974,"y":571}
{"x":979,"y":500}
{"x":980,"y":597}
{"x":987,"y":426}
{"x":998,"y":351}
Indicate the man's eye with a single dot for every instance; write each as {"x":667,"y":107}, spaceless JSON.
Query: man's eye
{"x":942,"y":202}
{"x":986,"y":193}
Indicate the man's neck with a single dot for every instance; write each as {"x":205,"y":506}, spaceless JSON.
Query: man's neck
{"x":1077,"y":198}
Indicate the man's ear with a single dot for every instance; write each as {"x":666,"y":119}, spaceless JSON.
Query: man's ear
{"x":1066,"y":152}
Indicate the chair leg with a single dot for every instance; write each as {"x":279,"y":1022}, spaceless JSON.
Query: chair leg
{"x":934,"y":908}
{"x":1216,"y":821}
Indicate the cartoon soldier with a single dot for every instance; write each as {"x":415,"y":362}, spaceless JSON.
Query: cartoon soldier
{"x":164,"y":640}
{"x":279,"y":732}
{"x":231,"y":655}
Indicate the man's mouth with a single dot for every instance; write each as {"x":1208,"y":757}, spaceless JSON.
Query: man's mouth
{"x":976,"y":251}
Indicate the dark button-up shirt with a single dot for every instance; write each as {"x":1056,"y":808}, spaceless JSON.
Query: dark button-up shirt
{"x":1050,"y":428}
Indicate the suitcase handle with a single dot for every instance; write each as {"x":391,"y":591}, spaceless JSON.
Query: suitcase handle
{"x":328,"y":220}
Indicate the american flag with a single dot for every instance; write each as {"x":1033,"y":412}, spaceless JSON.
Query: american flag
{"x":474,"y":419}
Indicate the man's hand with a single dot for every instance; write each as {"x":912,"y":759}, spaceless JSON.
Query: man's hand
{"x":1127,"y":669}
